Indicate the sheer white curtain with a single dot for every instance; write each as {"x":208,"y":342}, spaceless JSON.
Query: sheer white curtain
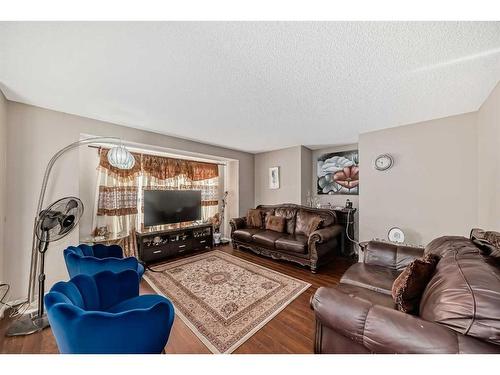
{"x":116,"y":209}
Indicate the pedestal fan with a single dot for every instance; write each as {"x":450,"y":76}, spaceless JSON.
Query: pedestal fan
{"x":52,"y":224}
{"x":119,"y":157}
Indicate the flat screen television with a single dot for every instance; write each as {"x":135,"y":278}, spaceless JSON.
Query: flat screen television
{"x":171,"y":206}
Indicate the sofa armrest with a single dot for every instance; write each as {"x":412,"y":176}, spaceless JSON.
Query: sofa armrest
{"x":238,"y":223}
{"x":390,"y":255}
{"x":383,"y":330}
{"x":325,"y":234}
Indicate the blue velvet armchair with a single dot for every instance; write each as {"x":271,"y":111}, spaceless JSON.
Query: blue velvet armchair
{"x":90,"y":260}
{"x":104,"y":313}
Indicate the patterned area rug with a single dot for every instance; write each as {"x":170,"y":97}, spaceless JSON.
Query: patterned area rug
{"x":224,"y":299}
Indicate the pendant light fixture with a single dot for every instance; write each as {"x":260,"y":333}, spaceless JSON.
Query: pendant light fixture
{"x":121,"y":158}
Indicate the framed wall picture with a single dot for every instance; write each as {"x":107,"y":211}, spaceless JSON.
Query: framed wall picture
{"x":274,"y":178}
{"x":338,"y":173}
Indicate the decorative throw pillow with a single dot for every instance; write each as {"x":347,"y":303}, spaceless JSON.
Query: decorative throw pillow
{"x":314,"y":224}
{"x":276,"y":223}
{"x":487,"y":241}
{"x":254,"y":219}
{"x":410,"y":284}
{"x":493,"y":239}
{"x":265,"y":215}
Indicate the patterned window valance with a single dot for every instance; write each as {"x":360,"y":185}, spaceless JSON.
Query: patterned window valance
{"x":117,"y":200}
{"x":161,"y":167}
{"x":164,"y":168}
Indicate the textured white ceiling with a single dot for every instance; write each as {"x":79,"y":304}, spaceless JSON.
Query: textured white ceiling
{"x":253,"y":86}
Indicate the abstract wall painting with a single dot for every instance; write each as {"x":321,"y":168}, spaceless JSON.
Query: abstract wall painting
{"x":338,"y":173}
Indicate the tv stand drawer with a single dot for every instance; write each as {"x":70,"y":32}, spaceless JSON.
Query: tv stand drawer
{"x":202,"y":242}
{"x":189,"y":245}
{"x":155,"y":253}
{"x":180,"y":247}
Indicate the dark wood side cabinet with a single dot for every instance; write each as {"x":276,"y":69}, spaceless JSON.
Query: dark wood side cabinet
{"x":346,"y":219}
{"x":161,"y":245}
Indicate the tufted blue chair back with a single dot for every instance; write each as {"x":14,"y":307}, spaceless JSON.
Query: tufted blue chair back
{"x":89,"y":260}
{"x":104,"y":313}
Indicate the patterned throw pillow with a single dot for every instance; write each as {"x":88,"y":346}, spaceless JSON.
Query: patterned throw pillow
{"x":487,"y":241}
{"x":410,"y":284}
{"x":254,"y":219}
{"x":265,"y":215}
{"x":276,"y":223}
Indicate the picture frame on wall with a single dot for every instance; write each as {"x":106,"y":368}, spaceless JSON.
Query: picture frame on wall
{"x":274,"y":178}
{"x":338,"y":173}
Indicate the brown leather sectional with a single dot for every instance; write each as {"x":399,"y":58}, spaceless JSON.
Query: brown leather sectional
{"x":459,"y":310}
{"x":292,"y":245}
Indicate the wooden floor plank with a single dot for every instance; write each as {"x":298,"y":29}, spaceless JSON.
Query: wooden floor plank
{"x":291,"y":331}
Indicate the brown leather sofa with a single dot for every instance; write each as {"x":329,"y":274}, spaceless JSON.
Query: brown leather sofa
{"x":459,"y":310}
{"x":293,"y":245}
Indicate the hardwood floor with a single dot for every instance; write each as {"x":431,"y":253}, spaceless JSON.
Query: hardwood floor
{"x":291,"y":331}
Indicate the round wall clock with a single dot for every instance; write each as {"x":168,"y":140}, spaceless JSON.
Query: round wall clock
{"x":396,"y":235}
{"x":383,"y":162}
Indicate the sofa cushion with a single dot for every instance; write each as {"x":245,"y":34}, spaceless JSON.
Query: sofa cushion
{"x":245,"y":234}
{"x":314,"y":225}
{"x":387,"y":254}
{"x":254,"y":219}
{"x":329,"y":216}
{"x":369,"y":295}
{"x":376,"y":278}
{"x":292,"y":243}
{"x":276,"y":223}
{"x":266,"y":237}
{"x":305,"y":221}
{"x":410,"y":284}
{"x":444,"y":245}
{"x":464,"y":293}
{"x":289,"y":214}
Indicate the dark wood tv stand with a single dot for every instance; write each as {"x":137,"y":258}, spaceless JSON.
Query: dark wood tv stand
{"x":173,"y":240}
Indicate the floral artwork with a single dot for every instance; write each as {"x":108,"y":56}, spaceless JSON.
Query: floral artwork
{"x":338,"y":173}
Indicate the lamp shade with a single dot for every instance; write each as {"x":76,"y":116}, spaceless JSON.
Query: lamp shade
{"x":119,"y":157}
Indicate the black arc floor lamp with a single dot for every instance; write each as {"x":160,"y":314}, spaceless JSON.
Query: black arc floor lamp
{"x":53,"y":223}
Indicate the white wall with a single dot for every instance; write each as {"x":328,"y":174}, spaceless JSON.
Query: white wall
{"x":335,"y":200}
{"x":34,"y":135}
{"x":88,"y":162}
{"x":289,"y":162}
{"x":233,"y":209}
{"x":3,"y":179}
{"x":489,"y":162}
{"x":432,"y":188}
{"x":306,"y":170}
